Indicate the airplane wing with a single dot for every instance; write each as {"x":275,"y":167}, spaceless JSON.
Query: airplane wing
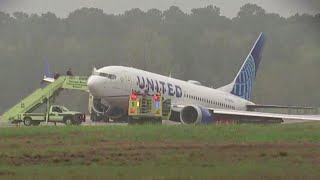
{"x":263,"y":115}
{"x":250,"y":116}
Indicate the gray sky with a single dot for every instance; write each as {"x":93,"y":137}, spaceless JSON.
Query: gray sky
{"x":228,"y":7}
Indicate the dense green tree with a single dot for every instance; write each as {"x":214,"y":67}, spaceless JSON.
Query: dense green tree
{"x":202,"y":45}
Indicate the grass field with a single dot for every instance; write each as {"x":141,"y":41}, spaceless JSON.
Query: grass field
{"x":161,"y":152}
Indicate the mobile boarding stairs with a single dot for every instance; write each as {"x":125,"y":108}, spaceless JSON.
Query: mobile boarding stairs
{"x":44,"y":95}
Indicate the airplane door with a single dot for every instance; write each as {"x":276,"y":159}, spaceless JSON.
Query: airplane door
{"x":54,"y":115}
{"x":126,"y":81}
{"x":183,"y":98}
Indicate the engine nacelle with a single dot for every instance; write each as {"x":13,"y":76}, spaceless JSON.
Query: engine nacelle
{"x":98,"y":107}
{"x":196,"y":115}
{"x":104,"y":108}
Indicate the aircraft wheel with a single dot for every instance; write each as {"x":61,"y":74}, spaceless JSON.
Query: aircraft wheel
{"x":27,"y":121}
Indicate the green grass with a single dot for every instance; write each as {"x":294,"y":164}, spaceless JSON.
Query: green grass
{"x":220,"y":170}
{"x":162,"y":152}
{"x":217,"y":133}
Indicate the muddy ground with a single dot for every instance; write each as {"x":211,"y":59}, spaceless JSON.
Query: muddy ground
{"x":35,"y":156}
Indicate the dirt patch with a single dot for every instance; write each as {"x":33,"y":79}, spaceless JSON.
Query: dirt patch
{"x":7,"y":173}
{"x":124,"y":152}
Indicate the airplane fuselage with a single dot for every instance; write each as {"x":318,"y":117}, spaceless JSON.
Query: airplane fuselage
{"x":115,"y":83}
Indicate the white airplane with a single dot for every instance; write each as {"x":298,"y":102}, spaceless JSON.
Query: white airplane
{"x":192,"y":103}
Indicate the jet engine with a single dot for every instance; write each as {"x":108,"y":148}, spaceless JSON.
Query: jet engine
{"x":102,"y":107}
{"x":196,"y":115}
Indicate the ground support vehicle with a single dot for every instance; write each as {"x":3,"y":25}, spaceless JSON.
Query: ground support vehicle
{"x":146,"y":108}
{"x":22,"y":111}
{"x":55,"y":114}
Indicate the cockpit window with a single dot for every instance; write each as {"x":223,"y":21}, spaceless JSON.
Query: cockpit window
{"x":103,"y":74}
{"x":110,"y":76}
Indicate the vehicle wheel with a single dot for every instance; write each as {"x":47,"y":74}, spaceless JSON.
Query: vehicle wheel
{"x":27,"y":121}
{"x":68,"y":121}
{"x":36,"y":123}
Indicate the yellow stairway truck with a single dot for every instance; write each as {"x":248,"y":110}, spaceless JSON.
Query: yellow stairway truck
{"x":44,"y":95}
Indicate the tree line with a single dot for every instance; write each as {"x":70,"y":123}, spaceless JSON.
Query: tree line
{"x":201,"y":45}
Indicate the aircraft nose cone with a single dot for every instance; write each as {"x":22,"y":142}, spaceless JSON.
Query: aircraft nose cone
{"x":93,"y":86}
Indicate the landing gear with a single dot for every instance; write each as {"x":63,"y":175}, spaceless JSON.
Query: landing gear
{"x":98,"y":117}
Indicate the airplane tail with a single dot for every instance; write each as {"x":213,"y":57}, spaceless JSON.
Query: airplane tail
{"x":48,"y":76}
{"x":243,"y":83}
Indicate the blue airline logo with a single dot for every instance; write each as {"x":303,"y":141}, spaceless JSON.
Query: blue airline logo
{"x":244,"y":82}
{"x":159,"y":86}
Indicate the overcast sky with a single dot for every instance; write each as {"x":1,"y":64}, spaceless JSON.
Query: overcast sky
{"x":228,"y":7}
